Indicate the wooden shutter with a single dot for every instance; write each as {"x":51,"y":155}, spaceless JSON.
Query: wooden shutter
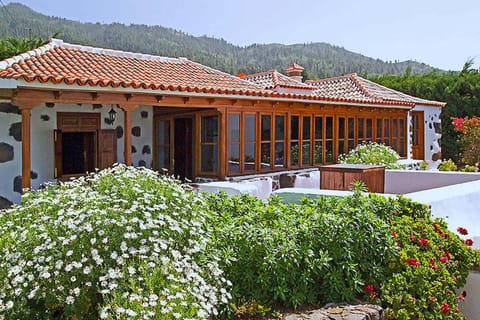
{"x":57,"y":139}
{"x":107,"y":148}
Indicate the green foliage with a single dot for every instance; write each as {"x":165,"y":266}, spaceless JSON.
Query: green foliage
{"x":295,"y":255}
{"x":447,"y":165}
{"x":124,"y":243}
{"x":371,"y":153}
{"x":319,"y":59}
{"x":423,"y":165}
{"x":431,"y":263}
{"x":10,"y":46}
{"x":469,"y":168}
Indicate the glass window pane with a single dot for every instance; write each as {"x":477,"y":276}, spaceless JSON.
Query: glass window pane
{"x":249,"y":159}
{"x":394,"y":128}
{"x":249,"y":130}
{"x":279,"y":127}
{"x":386,"y":130}
{"x":209,"y":157}
{"x":401,"y":127}
{"x":279,"y":154}
{"x":351,"y":128}
{"x":234,"y":128}
{"x":341,"y":146}
{"x":360,"y":129}
{"x":294,"y":153}
{"x":163,"y":132}
{"x":266,"y":128}
{"x":306,"y":128}
{"x":329,"y":152}
{"x":401,"y":151}
{"x":234,"y":158}
{"x":265,"y":156}
{"x":318,"y":152}
{"x":210,"y":129}
{"x":329,"y":127}
{"x":164,"y":158}
{"x":306,"y":153}
{"x":341,"y":128}
{"x":294,"y":128}
{"x":351,"y":145}
{"x":318,"y":127}
{"x":379,"y":130}
{"x":369,"y":129}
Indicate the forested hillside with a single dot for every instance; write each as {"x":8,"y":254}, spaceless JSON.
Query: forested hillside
{"x":319,"y":59}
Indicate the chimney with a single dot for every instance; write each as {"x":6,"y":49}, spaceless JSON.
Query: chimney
{"x":294,"y":71}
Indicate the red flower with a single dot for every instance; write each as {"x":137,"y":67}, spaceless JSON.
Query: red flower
{"x":393,"y":234}
{"x":412,"y":237}
{"x":398,"y":244}
{"x":423,"y":242}
{"x":462,"y":295}
{"x":468,"y":242}
{"x":369,"y":288}
{"x":394,"y":212}
{"x":412,"y":262}
{"x":373,"y":295}
{"x":444,"y":308}
{"x":457,"y":124}
{"x":443,"y":259}
{"x":462,"y":231}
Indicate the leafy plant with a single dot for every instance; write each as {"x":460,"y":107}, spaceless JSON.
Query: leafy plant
{"x":447,"y":165}
{"x":468,"y":129}
{"x":372,"y":153}
{"x":423,"y":165}
{"x":123,"y":243}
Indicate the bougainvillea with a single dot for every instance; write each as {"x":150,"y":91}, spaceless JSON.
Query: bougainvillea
{"x":468,"y":130}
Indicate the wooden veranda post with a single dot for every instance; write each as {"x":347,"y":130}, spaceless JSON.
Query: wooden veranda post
{"x":127,"y":127}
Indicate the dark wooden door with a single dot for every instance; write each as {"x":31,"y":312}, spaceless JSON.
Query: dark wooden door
{"x":418,"y":141}
{"x":107,"y":148}
{"x":183,"y":152}
{"x":57,"y":139}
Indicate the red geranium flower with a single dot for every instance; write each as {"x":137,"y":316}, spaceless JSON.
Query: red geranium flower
{"x":443,"y":259}
{"x":423,"y":242}
{"x":412,"y":262}
{"x":444,"y":308}
{"x":373,"y":295}
{"x":412,"y":237}
{"x":369,"y":288}
{"x":462,"y":295}
{"x":462,"y":231}
{"x":468,"y":242}
{"x":393,"y":234}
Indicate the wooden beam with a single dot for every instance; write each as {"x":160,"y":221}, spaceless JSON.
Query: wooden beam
{"x":127,"y":128}
{"x":26,"y":148}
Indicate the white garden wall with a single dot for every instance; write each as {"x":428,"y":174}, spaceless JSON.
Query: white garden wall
{"x":432,"y":132}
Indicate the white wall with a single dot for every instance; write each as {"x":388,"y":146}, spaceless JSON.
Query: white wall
{"x":431,"y":116}
{"x":407,"y":181}
{"x":44,"y":121}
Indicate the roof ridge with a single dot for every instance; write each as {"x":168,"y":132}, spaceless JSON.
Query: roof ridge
{"x":256,"y":74}
{"x":210,"y":69}
{"x":114,"y":52}
{"x":355,"y":79}
{"x":346,"y":76}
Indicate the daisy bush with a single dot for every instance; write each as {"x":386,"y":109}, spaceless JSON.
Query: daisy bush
{"x":124,"y":243}
{"x":372,"y":153}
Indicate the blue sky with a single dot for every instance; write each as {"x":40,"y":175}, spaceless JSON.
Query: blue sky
{"x":441,"y":33}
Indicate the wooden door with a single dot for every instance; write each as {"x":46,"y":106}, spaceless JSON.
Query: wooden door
{"x":418,"y":141}
{"x":183,"y":153}
{"x":107,"y":148}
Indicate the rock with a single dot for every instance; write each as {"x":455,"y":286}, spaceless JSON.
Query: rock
{"x":16,"y":131}
{"x":5,"y":203}
{"x":144,"y":114}
{"x":6,"y":152}
{"x":146,"y":149}
{"x":9,"y":108}
{"x":344,"y":312}
{"x":119,"y":130}
{"x":137,"y":131}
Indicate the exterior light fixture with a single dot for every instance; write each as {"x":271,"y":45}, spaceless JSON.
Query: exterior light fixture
{"x":112,"y":114}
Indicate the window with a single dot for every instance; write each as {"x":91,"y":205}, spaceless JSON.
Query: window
{"x":249,"y":137}
{"x":163,"y":144}
{"x":209,"y":144}
{"x":318,"y":135}
{"x":266,"y":137}
{"x":351,"y":134}
{"x":294,"y":139}
{"x":279,"y":141}
{"x":306,"y":136}
{"x":77,"y":150}
{"x":328,"y":139}
{"x":234,"y":143}
{"x":341,"y":135}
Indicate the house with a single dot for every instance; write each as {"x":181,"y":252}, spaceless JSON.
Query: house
{"x":67,"y":109}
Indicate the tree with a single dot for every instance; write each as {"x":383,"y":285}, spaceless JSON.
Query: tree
{"x":10,"y":47}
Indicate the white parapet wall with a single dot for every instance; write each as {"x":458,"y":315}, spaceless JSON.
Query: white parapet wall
{"x":408,"y":181}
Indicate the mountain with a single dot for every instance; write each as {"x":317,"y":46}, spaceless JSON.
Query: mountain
{"x":319,"y":59}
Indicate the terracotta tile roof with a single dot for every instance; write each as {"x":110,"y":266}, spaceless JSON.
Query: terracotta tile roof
{"x":272,"y":79}
{"x":58,"y":62}
{"x":352,"y":86}
{"x":294,"y":67}
{"x":62,"y":63}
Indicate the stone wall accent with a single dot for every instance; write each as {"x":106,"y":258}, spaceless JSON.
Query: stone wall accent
{"x":137,"y":131}
{"x":344,"y":312}
{"x":6,"y":152}
{"x":15,"y":131}
{"x":7,"y":107}
{"x":119,"y":130}
{"x":5,"y":203}
{"x":146,"y":149}
{"x":45,"y":117}
{"x":144,"y":114}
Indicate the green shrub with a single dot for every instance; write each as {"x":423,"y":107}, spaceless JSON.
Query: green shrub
{"x":423,"y":165}
{"x":469,"y":168}
{"x":295,"y":255}
{"x":124,"y":243}
{"x":372,"y":153}
{"x":447,"y":165}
